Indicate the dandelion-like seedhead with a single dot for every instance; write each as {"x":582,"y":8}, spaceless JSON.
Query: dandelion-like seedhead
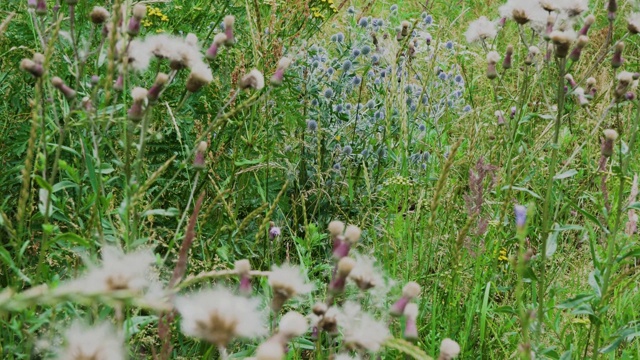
{"x":287,"y":281}
{"x":361,"y":330}
{"x":99,"y":342}
{"x":481,"y":30}
{"x":218,"y":316}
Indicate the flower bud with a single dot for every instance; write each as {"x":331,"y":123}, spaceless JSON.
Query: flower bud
{"x":199,"y":159}
{"x":587,"y":25}
{"x":506,"y":64}
{"x":156,"y":88}
{"x":562,"y":41}
{"x":410,"y":291}
{"x":137,"y":109}
{"x":612,"y":8}
{"x":218,"y":41}
{"x":577,"y":50}
{"x":41,"y":7}
{"x":531,"y":55}
{"x":610,"y":137}
{"x":500,"y":117}
{"x":229,"y":21}
{"x":32,"y":67}
{"x":617,"y":60}
{"x":68,"y":92}
{"x":278,"y":76}
{"x":492,"y":59}
{"x":199,"y":77}
{"x":99,"y":15}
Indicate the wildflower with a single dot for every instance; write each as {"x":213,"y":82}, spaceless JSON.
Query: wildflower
{"x":591,"y":83}
{"x":118,"y":85}
{"x":32,"y":67}
{"x":274,"y":231}
{"x":521,"y":216}
{"x":364,"y":274}
{"x":253,"y":80}
{"x":345,"y":265}
{"x":582,"y":99}
{"x":156,"y":88}
{"x":31,"y":4}
{"x":278,"y":76}
{"x":347,"y":150}
{"x":97,"y":342}
{"x":199,"y":160}
{"x":59,"y":84}
{"x":577,"y":51}
{"x":218,"y":316}
{"x":136,"y":111}
{"x":562,"y":41}
{"x":481,"y":30}
{"x":99,"y":15}
{"x":242,"y":268}
{"x":366,"y":50}
{"x":287,"y":282}
{"x":500,"y":117}
{"x":617,"y":60}
{"x":118,"y":271}
{"x":506,"y":64}
{"x":229,"y":21}
{"x":364,"y":22}
{"x":361,"y":331}
{"x":270,"y":350}
{"x":139,"y":12}
{"x":410,"y":291}
{"x":521,"y":11}
{"x":292,"y":324}
{"x":405,"y":28}
{"x":312,"y":125}
{"x":633,"y":23}
{"x":342,"y":244}
{"x":218,"y":41}
{"x":492,"y":59}
{"x":610,"y":137}
{"x":449,"y":45}
{"x":411,"y":316}
{"x":512,"y":113}
{"x":549,"y":5}
{"x":336,"y":228}
{"x":199,"y":77}
{"x":449,"y":349}
{"x":574,"y":8}
{"x":587,"y":25}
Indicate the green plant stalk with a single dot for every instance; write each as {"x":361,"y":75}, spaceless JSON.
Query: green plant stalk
{"x":548,"y":201}
{"x":521,"y":266}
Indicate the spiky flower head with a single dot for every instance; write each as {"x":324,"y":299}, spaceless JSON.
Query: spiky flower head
{"x":200,"y":76}
{"x":99,"y":15}
{"x":361,"y":331}
{"x":218,"y":316}
{"x":99,"y":342}
{"x":480,"y":30}
{"x":610,"y":136}
{"x":562,"y":41}
{"x":229,"y":21}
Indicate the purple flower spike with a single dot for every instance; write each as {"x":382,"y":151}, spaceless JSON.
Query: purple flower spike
{"x":521,"y":216}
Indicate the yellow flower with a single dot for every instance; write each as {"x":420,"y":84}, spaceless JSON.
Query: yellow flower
{"x":503,"y":255}
{"x":165,"y":18}
{"x":338,"y":137}
{"x":160,"y":30}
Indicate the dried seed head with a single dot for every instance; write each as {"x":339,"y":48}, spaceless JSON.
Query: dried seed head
{"x":611,"y":134}
{"x":38,"y":58}
{"x":270,"y":350}
{"x":411,"y":310}
{"x":241,"y":266}
{"x":139,"y":94}
{"x":320,"y":308}
{"x":253,"y":80}
{"x":493,"y":57}
{"x":229,"y":21}
{"x":99,"y":15}
{"x":610,"y":137}
{"x":139,"y":11}
{"x":345,"y":265}
{"x":191,"y":39}
{"x":200,"y":76}
{"x":411,"y":290}
{"x":336,"y":228}
{"x":293,"y":324}
{"x":633,"y":23}
{"x":562,"y":41}
{"x":625,"y":77}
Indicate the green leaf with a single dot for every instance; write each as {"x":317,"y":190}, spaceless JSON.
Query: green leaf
{"x":64,"y":184}
{"x":552,"y":243}
{"x":566,"y":174}
{"x":91,"y":170}
{"x":589,"y":216}
{"x":72,"y":238}
{"x":524,"y":190}
{"x":594,"y":282}
{"x":161,"y":212}
{"x":635,"y":205}
{"x":43,"y":183}
{"x":575,"y":301}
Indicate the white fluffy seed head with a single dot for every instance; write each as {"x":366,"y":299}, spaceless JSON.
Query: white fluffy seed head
{"x":293,"y":324}
{"x":191,"y":39}
{"x":405,"y":24}
{"x":610,"y":134}
{"x":220,"y":38}
{"x":99,"y":15}
{"x":625,"y":77}
{"x":493,"y":57}
{"x":284,"y":63}
{"x":162,"y":79}
{"x":241,"y":266}
{"x":56,"y":81}
{"x":449,"y":348}
{"x":336,"y":227}
{"x":582,"y":41}
{"x":254,"y":79}
{"x":534,"y":50}
{"x":229,"y":20}
{"x":498,"y":113}
{"x":139,"y":93}
{"x":411,"y":310}
{"x":591,"y":82}
{"x":345,"y":265}
{"x":270,"y":350}
{"x":411,"y":290}
{"x":352,"y":234}
{"x":139,"y":11}
{"x":38,"y":58}
{"x":562,"y":37}
{"x":589,"y":20}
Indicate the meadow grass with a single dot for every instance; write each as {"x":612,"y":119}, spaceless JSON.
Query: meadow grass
{"x":431,"y":182}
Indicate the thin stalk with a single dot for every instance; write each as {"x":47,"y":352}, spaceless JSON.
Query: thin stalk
{"x":548,"y":202}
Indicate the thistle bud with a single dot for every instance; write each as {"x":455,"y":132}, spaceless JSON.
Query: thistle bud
{"x":156,"y":88}
{"x":218,"y":41}
{"x":32,"y":67}
{"x":562,"y":41}
{"x":99,"y":15}
{"x":410,"y":291}
{"x":137,"y":109}
{"x":31,"y":4}
{"x":274,"y":231}
{"x":531,"y":55}
{"x":520,"y":16}
{"x":41,"y":7}
{"x":492,"y":59}
{"x":612,"y":8}
{"x":119,"y":84}
{"x":551,"y":21}
{"x":139,"y":12}
{"x":229,"y":21}
{"x":243,"y":269}
{"x":591,"y":83}
{"x":617,"y":60}
{"x":500,"y":117}
{"x":278,"y":76}
{"x":513,"y":112}
{"x":587,"y":25}
{"x":411,"y":319}
{"x":610,"y":137}
{"x":633,"y":23}
{"x":506,"y":64}
{"x":571,"y":81}
{"x":68,"y":92}
{"x":337,"y":284}
{"x":252,"y":80}
{"x":449,"y":349}
{"x":625,"y":79}
{"x":405,"y":28}
{"x":199,"y":159}
{"x":577,"y":50}
{"x":582,"y":99}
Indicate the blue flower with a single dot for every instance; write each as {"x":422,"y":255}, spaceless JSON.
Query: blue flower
{"x":312,"y":125}
{"x":371,"y":104}
{"x":356,"y":80}
{"x":336,"y":166}
{"x":442,"y":76}
{"x":467,"y":108}
{"x":347,"y":150}
{"x":364,"y":22}
{"x":346,"y":65}
{"x":366,"y":50}
{"x":428,"y":20}
{"x":458,"y":79}
{"x":422,"y":127}
{"x":351,"y":10}
{"x":521,"y":216}
{"x":394,"y":7}
{"x":355,"y":52}
{"x":328,"y":93}
{"x":330,"y":71}
{"x":449,"y":45}
{"x":375,"y":58}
